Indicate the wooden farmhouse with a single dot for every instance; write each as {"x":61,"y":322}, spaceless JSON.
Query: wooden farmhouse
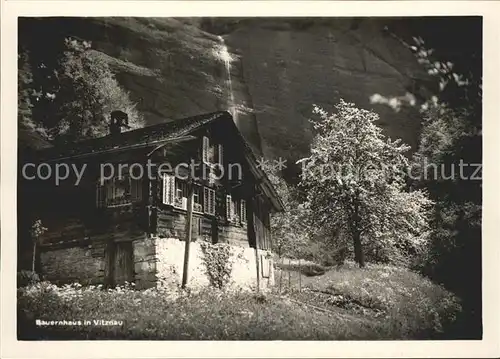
{"x":121,"y":212}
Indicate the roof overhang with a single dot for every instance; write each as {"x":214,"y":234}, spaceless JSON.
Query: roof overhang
{"x":156,"y":144}
{"x":266,"y":186}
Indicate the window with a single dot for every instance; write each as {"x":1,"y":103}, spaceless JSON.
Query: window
{"x":212,"y":153}
{"x":118,"y":191}
{"x":236,"y":210}
{"x":197,"y":205}
{"x":209,"y":201}
{"x":175,"y":193}
{"x":181,"y":194}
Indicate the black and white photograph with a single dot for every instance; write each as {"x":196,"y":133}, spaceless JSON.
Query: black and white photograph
{"x":242,"y":178}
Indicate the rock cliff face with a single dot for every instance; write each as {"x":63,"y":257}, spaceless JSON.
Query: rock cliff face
{"x":268,"y":71}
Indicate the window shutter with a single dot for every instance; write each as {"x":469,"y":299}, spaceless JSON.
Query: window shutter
{"x":212,"y":201}
{"x":209,"y":201}
{"x":168,"y":189}
{"x":220,"y":155}
{"x":228,"y":207}
{"x":135,"y":189}
{"x":164,"y":189}
{"x":110,"y":191}
{"x":243,"y":210}
{"x":171,"y":189}
{"x":100,"y":195}
{"x":205,"y":199}
{"x":205,"y":148}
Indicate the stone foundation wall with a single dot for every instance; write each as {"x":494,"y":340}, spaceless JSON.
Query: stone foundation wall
{"x":170,"y":256}
{"x":145,"y":262}
{"x":157,"y":262}
{"x":67,"y":265}
{"x":245,"y":269}
{"x":162,"y":259}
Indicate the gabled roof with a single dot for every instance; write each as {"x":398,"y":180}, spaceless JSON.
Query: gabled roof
{"x":159,"y":134}
{"x":149,"y":135}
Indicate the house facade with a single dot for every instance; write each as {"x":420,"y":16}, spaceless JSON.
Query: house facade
{"x":121,"y":213}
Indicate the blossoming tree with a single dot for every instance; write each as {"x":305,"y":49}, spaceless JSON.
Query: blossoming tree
{"x":355,"y":182}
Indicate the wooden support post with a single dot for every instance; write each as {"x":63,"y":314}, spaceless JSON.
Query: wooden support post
{"x":33,"y":264}
{"x":189,"y":231}
{"x":153,"y":212}
{"x":252,"y":235}
{"x":146,"y":203}
{"x":257,"y":266}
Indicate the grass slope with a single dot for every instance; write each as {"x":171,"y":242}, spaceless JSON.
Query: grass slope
{"x":343,"y":304}
{"x":403,"y":303}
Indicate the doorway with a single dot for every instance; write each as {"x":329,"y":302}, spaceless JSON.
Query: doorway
{"x":121,"y":262}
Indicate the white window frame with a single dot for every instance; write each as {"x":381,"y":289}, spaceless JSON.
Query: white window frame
{"x":235,"y":210}
{"x":197,"y":205}
{"x":171,"y":196}
{"x":212,"y":153}
{"x":180,"y":200}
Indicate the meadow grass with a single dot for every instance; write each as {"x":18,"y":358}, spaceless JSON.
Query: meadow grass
{"x":396,"y":304}
{"x":407,"y":304}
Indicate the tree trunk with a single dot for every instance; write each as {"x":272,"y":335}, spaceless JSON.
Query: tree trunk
{"x":34,"y":257}
{"x":358,"y":250}
{"x":356,"y":232}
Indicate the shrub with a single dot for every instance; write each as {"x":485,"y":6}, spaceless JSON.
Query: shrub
{"x":217,"y":260}
{"x":27,"y":277}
